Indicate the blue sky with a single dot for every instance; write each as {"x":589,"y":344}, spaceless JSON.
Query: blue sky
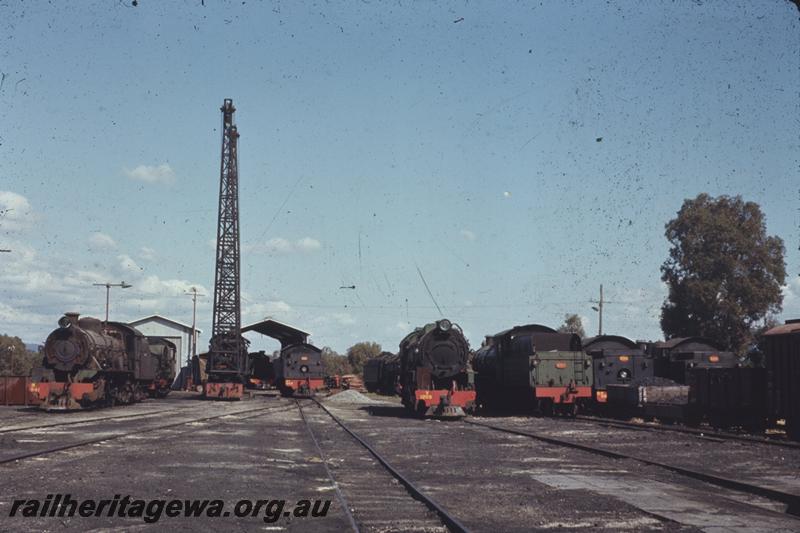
{"x":378,"y":137}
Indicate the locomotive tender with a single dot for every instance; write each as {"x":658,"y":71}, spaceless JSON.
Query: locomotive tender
{"x":434,"y":374}
{"x":676,"y":356}
{"x":616,"y":360}
{"x":381,"y":373}
{"x":533,"y":366}
{"x":89,"y":363}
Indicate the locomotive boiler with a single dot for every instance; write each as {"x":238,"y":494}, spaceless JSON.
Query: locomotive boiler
{"x":90,"y":363}
{"x":434,"y":373}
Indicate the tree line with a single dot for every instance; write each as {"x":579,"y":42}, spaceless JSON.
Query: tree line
{"x":15,"y":359}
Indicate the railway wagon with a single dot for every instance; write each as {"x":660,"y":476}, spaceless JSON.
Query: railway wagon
{"x":89,"y":363}
{"x":675,"y":356}
{"x":381,"y":373}
{"x":533,"y":367}
{"x":781,"y":348}
{"x":727,"y":397}
{"x":616,"y":360}
{"x":434,"y":377}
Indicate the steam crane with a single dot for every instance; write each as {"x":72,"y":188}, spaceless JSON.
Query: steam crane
{"x":227,"y":352}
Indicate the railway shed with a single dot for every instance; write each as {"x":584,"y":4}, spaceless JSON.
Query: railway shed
{"x":283,"y":333}
{"x":176,"y":332}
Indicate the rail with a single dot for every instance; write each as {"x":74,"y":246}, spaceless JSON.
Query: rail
{"x":452,"y":523}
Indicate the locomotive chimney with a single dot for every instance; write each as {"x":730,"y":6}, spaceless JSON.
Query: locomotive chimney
{"x":69,"y":319}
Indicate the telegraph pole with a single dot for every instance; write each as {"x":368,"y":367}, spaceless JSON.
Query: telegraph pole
{"x":108,"y":286}
{"x":599,"y":308}
{"x":193,"y":347}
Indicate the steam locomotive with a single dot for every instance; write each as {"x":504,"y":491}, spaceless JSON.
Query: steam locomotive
{"x":533,"y":367}
{"x":89,"y":363}
{"x":617,"y":361}
{"x":434,"y":373}
{"x":299,"y":370}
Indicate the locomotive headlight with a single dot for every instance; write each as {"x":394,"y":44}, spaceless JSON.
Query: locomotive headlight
{"x":304,"y":369}
{"x":64,"y":322}
{"x":444,"y":324}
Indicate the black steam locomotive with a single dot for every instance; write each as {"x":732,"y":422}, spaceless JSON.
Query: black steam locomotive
{"x":616,"y":361}
{"x":533,"y":367}
{"x":299,"y":370}
{"x":434,"y":377}
{"x":90,"y":363}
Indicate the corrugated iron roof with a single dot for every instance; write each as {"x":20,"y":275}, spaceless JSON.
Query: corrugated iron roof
{"x":791,"y":326}
{"x":284,"y":333}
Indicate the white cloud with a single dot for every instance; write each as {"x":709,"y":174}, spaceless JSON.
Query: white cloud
{"x":152,"y":174}
{"x":128,"y":264}
{"x":791,"y":295}
{"x":13,"y":316}
{"x":279,"y":245}
{"x":467,"y":234}
{"x":101,"y":240}
{"x":344,"y":319}
{"x":35,"y":290}
{"x":147,"y":253}
{"x":168,"y":287}
{"x":16,"y":213}
{"x":277,"y":309}
{"x":307,"y":244}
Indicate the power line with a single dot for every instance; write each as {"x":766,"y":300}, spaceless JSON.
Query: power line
{"x":428,"y":289}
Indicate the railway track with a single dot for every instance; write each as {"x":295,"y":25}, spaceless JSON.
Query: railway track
{"x":339,"y":495}
{"x":449,"y":521}
{"x":85,"y":421}
{"x":700,"y":433}
{"x":791,"y":500}
{"x":135,"y":431}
